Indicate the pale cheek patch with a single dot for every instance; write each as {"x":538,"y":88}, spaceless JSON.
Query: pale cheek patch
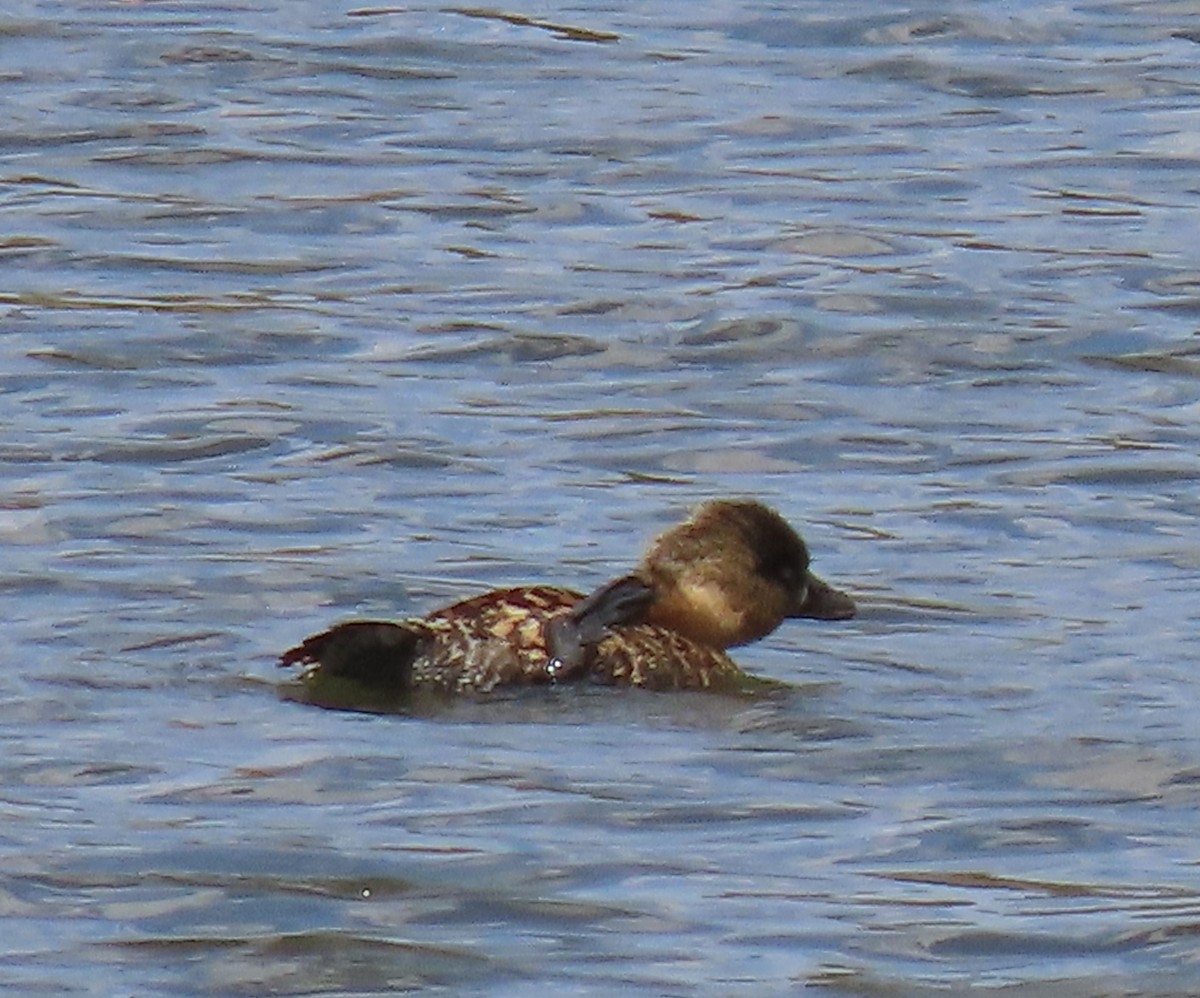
{"x":710,"y":605}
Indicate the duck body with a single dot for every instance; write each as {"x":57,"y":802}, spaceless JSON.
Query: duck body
{"x":729,"y":574}
{"x":506,"y":638}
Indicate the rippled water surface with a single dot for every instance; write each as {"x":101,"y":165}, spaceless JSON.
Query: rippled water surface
{"x":311,"y":311}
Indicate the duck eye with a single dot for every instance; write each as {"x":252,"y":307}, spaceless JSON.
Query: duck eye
{"x":786,"y":573}
{"x":782,"y":556}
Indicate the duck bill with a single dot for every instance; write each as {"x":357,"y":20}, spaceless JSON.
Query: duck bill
{"x":822,"y":602}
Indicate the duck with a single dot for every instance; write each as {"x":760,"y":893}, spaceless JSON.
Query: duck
{"x":732,"y":572}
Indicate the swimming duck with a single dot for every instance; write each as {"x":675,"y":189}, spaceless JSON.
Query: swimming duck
{"x":729,"y":574}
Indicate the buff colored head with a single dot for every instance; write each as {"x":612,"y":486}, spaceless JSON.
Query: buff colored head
{"x":733,"y":572}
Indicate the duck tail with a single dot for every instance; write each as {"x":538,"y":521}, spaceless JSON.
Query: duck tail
{"x":367,"y":651}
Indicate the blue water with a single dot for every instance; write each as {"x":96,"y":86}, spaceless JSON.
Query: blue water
{"x":313,"y":311}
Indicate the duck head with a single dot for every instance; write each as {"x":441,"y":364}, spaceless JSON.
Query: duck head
{"x":733,"y":572}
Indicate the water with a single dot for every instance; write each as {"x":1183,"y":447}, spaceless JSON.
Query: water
{"x":310,"y":312}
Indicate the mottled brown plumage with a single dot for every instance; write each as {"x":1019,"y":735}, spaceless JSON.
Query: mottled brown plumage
{"x":495,"y":639}
{"x":729,"y":574}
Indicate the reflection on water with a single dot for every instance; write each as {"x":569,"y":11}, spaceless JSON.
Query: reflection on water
{"x":350,"y":312}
